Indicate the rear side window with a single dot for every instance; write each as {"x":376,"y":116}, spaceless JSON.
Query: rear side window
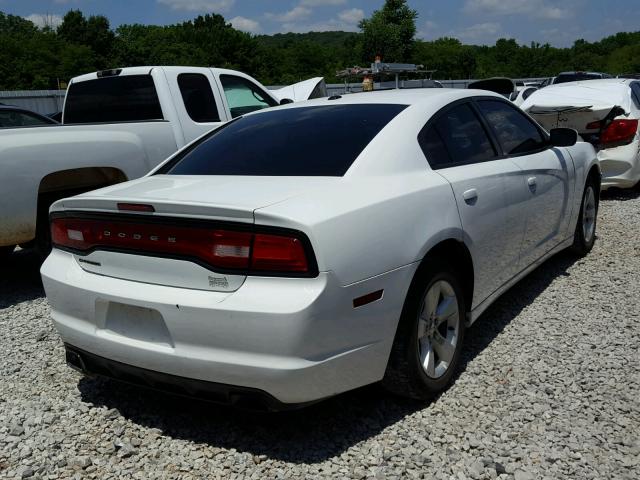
{"x":244,"y":96}
{"x":516,"y":133}
{"x":126,"y":98}
{"x":434,"y":148}
{"x":635,"y":93}
{"x":198,"y":97}
{"x":307,"y":141}
{"x":463,"y":136}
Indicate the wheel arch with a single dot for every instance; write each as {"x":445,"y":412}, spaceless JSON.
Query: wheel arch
{"x":595,"y":175}
{"x":457,"y":253}
{"x":66,"y":183}
{"x":80,"y":178}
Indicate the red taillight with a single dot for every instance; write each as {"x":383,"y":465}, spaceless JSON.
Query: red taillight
{"x":619,"y":132}
{"x":221,"y":248}
{"x":278,"y":253}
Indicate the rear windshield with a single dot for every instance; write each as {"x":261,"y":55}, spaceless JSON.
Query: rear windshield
{"x":574,"y":77}
{"x":113,"y":99}
{"x":308,"y":141}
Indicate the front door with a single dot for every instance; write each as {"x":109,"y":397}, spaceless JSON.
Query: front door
{"x":486,"y":187}
{"x":545,"y":172}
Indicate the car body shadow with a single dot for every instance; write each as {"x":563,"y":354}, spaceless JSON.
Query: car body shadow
{"x":620,"y":194}
{"x":20,"y":278}
{"x":320,"y":431}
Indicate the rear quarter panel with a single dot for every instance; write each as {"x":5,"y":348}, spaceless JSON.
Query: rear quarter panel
{"x":360,"y":229}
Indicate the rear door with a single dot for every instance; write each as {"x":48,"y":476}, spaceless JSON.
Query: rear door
{"x":486,"y":187}
{"x":198,"y":104}
{"x":545,"y":172}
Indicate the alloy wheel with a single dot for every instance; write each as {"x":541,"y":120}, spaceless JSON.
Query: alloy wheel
{"x":438,"y":329}
{"x":589,"y":215}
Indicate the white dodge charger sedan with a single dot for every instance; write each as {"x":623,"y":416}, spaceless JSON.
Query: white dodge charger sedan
{"x":300,"y":252}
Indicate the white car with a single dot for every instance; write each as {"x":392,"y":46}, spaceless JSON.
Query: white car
{"x":605,"y":113}
{"x":521,"y":94}
{"x":297,"y":253}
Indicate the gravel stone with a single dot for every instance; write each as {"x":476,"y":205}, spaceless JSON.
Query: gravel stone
{"x":548,"y":389}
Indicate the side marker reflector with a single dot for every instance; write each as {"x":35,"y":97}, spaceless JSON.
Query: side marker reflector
{"x":368,"y":298}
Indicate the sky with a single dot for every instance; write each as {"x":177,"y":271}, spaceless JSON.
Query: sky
{"x":472,"y":21}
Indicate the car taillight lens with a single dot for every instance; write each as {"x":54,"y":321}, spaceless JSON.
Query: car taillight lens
{"x":619,"y":132}
{"x":221,"y":248}
{"x":278,"y":253}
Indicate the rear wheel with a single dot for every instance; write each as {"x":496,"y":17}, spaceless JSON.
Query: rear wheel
{"x":585,"y":234}
{"x":6,"y":251}
{"x":426,"y":350}
{"x":43,"y":232}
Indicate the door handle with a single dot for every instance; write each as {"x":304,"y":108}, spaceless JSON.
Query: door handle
{"x":533,"y":183}
{"x":470,"y":196}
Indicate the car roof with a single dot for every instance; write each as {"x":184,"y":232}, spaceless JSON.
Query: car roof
{"x":399,"y":97}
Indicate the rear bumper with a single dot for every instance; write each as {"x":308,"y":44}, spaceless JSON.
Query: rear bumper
{"x":298,"y":340}
{"x":90,"y":364}
{"x":620,"y":166}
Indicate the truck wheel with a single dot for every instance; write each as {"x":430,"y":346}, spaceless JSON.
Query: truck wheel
{"x":428,"y":342}
{"x":43,"y":231}
{"x":6,"y":251}
{"x":585,"y":234}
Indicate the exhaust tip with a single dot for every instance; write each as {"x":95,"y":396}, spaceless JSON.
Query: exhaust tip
{"x":74,"y":360}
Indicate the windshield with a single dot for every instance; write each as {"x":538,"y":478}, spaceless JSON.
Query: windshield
{"x":307,"y":141}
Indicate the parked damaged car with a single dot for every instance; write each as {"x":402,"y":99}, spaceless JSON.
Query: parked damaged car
{"x":605,"y":113}
{"x":267,"y":264}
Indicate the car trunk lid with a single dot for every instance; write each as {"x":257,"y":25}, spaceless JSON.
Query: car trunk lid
{"x":587,"y":107}
{"x":140,"y":222}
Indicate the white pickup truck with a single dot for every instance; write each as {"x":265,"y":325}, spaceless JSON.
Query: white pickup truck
{"x":116,"y":126}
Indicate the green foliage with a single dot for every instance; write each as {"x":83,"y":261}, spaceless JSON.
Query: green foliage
{"x":33,"y":58}
{"x":390,"y":32}
{"x":291,"y":57}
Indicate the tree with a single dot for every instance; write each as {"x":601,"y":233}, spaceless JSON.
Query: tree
{"x":390,"y":32}
{"x":94,"y":32}
{"x":35,"y":58}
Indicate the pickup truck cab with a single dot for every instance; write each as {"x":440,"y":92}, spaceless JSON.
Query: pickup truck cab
{"x":116,"y":125}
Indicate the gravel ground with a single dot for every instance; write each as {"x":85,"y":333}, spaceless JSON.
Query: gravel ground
{"x":549,"y":388}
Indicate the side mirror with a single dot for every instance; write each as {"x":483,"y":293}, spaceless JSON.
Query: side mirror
{"x":284,"y":101}
{"x":563,"y":137}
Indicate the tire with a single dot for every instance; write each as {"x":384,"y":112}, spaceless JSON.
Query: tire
{"x":585,"y":234}
{"x":6,"y":251}
{"x":43,"y":231}
{"x":415,"y":338}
